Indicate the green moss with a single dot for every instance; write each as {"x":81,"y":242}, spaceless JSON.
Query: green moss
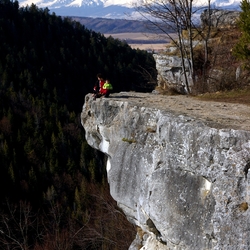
{"x":129,"y":140}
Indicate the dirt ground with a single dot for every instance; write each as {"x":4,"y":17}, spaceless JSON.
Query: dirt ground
{"x":217,"y":114}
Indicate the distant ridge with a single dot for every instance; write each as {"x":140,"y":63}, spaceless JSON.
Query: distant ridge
{"x":113,"y":26}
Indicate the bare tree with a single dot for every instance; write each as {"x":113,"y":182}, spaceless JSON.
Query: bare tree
{"x":173,"y":17}
{"x":16,"y":226}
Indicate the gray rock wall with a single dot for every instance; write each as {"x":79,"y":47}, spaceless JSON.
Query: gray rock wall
{"x":170,"y":73}
{"x":184,"y":183}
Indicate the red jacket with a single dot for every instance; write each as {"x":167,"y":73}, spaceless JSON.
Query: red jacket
{"x":101,"y":90}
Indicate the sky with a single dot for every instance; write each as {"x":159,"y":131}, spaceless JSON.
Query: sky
{"x":128,"y":3}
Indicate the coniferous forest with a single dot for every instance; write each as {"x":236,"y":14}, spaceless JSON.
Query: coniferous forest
{"x":53,"y":187}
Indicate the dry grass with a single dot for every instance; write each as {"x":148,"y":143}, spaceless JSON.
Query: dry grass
{"x":233,"y":96}
{"x":243,"y":206}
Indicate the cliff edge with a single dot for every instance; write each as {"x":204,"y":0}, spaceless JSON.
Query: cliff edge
{"x":177,"y":166}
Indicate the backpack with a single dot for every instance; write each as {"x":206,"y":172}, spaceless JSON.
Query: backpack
{"x":107,"y":86}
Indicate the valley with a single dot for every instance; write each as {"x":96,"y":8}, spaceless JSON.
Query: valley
{"x":143,"y":41}
{"x":136,"y":33}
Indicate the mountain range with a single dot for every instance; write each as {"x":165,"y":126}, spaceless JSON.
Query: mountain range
{"x":123,"y":9}
{"x":114,"y":26}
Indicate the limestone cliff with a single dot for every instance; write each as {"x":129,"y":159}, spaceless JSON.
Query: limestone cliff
{"x":178,"y":167}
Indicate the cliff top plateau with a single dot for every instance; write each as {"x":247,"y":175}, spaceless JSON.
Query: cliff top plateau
{"x":212,"y":113}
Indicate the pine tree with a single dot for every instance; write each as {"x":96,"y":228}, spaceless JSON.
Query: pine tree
{"x":242,"y":48}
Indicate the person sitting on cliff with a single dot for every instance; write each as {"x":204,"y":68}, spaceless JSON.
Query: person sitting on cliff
{"x":98,"y":87}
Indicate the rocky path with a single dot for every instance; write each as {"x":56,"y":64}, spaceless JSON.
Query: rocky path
{"x":215,"y":114}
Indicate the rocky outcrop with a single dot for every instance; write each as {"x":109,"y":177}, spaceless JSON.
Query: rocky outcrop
{"x":170,"y":73}
{"x":177,"y":167}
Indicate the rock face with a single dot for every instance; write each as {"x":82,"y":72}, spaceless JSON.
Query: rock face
{"x":180,"y":176}
{"x":170,"y":73}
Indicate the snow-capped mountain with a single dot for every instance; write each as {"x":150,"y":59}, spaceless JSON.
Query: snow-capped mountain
{"x":109,"y":8}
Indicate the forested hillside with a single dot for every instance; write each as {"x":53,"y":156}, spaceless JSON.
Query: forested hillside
{"x":53,"y":188}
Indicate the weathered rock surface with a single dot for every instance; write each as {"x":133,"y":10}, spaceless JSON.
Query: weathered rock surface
{"x":170,"y":73}
{"x":178,"y":167}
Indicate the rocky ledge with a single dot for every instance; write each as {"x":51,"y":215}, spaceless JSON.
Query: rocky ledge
{"x":177,"y":167}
